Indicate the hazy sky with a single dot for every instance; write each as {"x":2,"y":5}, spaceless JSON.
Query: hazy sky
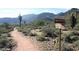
{"x":14,"y":12}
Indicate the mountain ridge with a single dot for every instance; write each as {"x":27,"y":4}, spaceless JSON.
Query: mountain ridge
{"x":31,"y":17}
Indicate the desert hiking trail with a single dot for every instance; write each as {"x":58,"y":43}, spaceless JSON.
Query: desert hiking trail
{"x":24,"y":43}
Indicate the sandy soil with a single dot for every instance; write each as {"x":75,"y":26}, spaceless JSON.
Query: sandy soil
{"x":23,"y":43}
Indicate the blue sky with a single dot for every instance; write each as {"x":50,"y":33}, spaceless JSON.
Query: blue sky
{"x":14,"y":12}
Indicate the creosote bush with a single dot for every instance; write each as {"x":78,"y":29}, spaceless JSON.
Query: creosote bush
{"x":68,"y":49}
{"x":42,"y":38}
{"x":50,"y":32}
{"x":72,"y":37}
{"x":6,"y":44}
{"x":76,"y":27}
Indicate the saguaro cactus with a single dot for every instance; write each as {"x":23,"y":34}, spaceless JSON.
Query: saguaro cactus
{"x":73,"y":21}
{"x":20,"y":20}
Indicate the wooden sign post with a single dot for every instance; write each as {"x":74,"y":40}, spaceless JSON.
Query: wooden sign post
{"x":60,"y":27}
{"x":60,"y":40}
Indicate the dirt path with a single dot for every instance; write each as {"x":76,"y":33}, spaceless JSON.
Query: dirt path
{"x":23,"y":43}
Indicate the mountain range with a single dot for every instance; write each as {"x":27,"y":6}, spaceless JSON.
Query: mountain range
{"x":43,"y":16}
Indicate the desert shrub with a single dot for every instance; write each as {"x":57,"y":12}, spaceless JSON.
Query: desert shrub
{"x":4,"y":35}
{"x":77,"y":43}
{"x":4,"y":31}
{"x":68,"y":27}
{"x":68,"y":49}
{"x":36,"y":32}
{"x":72,"y":37}
{"x":39,"y":22}
{"x":6,"y":44}
{"x":75,"y":33}
{"x":8,"y":35}
{"x":26,"y":31}
{"x":42,"y":38}
{"x":32,"y":34}
{"x":76,"y":27}
{"x":5,"y":25}
{"x":50,"y":32}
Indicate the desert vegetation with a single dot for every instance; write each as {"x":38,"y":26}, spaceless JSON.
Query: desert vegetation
{"x":6,"y":42}
{"x":43,"y":32}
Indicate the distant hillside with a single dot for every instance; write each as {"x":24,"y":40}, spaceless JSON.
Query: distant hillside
{"x":29,"y":18}
{"x":8,"y":20}
{"x":49,"y":16}
{"x":61,"y":14}
{"x":74,"y":11}
{"x":42,"y":16}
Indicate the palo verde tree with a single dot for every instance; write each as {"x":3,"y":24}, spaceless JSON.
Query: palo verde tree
{"x":73,"y":21}
{"x":20,"y":20}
